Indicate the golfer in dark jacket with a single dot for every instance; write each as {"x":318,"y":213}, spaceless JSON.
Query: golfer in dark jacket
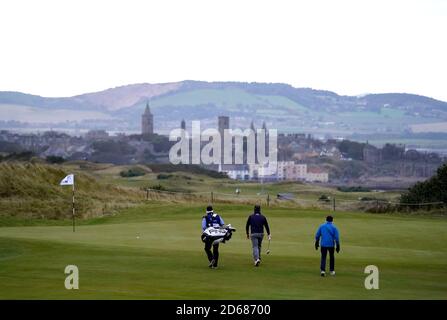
{"x":328,"y":233}
{"x":256,"y":222}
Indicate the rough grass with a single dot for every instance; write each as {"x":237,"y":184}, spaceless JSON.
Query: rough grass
{"x":33,"y":190}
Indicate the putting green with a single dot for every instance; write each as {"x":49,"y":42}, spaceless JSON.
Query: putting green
{"x":154,"y":252}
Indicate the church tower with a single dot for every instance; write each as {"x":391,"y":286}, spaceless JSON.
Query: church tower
{"x":223,"y":123}
{"x":147,"y":121}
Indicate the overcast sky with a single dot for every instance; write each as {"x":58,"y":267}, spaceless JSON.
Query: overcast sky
{"x":64,"y":47}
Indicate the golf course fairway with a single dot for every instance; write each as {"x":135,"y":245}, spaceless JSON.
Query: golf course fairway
{"x":154,"y":251}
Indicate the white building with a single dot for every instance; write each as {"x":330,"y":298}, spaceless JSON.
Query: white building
{"x":317,"y":175}
{"x":235,"y":171}
{"x":282,"y":170}
{"x":267,"y":171}
{"x":289,"y":170}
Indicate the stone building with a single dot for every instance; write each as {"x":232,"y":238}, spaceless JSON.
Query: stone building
{"x":147,"y":121}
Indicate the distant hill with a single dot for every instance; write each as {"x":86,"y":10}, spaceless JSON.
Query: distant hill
{"x":126,"y":96}
{"x":280,"y":105}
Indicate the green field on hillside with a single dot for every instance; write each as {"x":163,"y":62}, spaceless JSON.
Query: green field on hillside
{"x":229,"y":98}
{"x":154,"y":251}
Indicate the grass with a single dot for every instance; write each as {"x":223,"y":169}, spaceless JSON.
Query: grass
{"x":198,"y":183}
{"x":152,"y":249}
{"x":167,"y":260}
{"x":33,"y":190}
{"x":193,"y":186}
{"x":224,"y":97}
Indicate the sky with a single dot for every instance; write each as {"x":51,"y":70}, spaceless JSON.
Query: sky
{"x":68,"y":47}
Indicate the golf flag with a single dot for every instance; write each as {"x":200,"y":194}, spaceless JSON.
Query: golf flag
{"x":68,"y":180}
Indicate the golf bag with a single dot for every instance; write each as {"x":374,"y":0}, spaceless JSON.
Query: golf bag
{"x":217,"y":235}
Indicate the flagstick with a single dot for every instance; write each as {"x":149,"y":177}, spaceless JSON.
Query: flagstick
{"x":73,"y":207}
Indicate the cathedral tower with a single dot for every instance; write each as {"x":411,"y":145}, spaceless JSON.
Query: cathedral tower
{"x":147,"y":121}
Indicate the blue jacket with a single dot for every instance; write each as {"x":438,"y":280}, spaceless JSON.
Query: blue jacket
{"x":211,"y":220}
{"x":328,"y":233}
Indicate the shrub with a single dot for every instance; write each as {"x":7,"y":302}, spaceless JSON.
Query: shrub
{"x":189,"y":168}
{"x":54,"y":159}
{"x":157,"y":187}
{"x":163,"y":176}
{"x":353,"y":189}
{"x":21,"y":156}
{"x":367,"y":198}
{"x":132,"y":172}
{"x":432,"y":190}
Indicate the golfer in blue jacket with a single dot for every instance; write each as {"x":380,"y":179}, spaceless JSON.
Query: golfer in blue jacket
{"x":328,"y":233}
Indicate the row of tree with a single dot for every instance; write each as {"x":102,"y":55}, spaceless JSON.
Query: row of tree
{"x":429,"y":191}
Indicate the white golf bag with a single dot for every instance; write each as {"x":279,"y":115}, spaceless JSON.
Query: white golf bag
{"x":217,"y":235}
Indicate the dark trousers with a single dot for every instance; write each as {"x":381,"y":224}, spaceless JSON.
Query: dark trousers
{"x":212,"y":255}
{"x":324,"y":251}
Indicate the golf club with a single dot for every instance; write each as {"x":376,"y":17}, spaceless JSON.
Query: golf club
{"x":268,"y":248}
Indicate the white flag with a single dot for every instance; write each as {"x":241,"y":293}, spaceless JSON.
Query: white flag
{"x":68,"y":180}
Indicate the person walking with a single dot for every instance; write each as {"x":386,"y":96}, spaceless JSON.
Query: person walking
{"x":254,"y":228}
{"x":212,"y":219}
{"x":328,"y":233}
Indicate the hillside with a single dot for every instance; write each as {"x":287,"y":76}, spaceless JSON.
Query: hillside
{"x":280,"y":105}
{"x":125,"y":96}
{"x":33,"y":190}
